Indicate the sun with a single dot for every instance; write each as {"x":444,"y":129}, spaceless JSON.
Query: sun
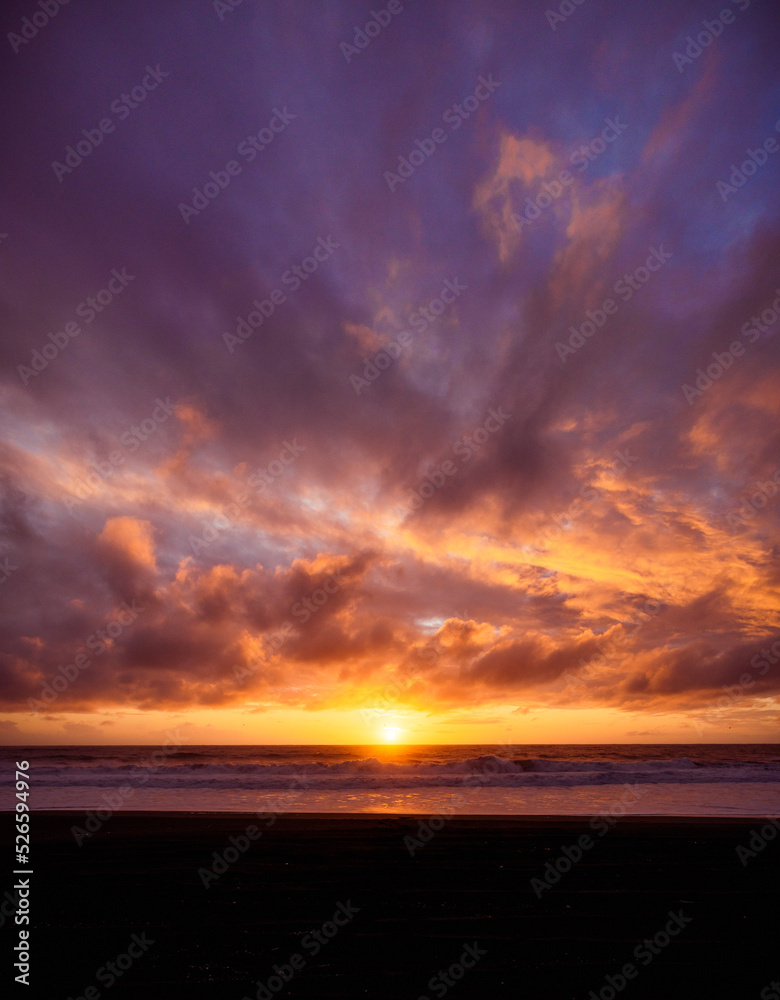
{"x":392,"y":733}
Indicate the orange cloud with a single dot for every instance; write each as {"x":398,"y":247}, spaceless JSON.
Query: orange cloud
{"x":132,"y":538}
{"x":520,"y":162}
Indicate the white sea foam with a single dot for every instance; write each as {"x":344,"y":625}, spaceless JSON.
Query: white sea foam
{"x":489,"y":771}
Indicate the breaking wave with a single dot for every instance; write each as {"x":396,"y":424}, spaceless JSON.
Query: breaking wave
{"x":370,"y":773}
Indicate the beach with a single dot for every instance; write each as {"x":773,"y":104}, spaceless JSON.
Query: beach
{"x":389,"y":494}
{"x":400,"y":906}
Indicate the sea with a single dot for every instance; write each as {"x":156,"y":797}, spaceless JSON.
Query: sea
{"x":476,"y":779}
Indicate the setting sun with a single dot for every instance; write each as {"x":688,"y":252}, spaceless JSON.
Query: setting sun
{"x":389,"y":495}
{"x":392,"y":733}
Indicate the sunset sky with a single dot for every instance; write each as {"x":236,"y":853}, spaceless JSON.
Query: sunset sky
{"x":358,"y":394}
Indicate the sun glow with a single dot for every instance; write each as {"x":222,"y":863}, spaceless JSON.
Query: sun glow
{"x":392,"y":733}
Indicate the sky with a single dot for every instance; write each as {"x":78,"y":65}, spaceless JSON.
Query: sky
{"x":408,"y":375}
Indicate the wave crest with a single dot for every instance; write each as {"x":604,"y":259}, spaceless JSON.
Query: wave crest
{"x":486,"y":770}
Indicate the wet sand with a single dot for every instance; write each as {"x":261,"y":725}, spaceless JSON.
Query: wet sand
{"x":344,"y":910}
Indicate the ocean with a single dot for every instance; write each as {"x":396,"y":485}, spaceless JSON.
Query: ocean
{"x":519,"y":779}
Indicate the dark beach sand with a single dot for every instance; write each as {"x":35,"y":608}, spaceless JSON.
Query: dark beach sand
{"x":470,"y":883}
